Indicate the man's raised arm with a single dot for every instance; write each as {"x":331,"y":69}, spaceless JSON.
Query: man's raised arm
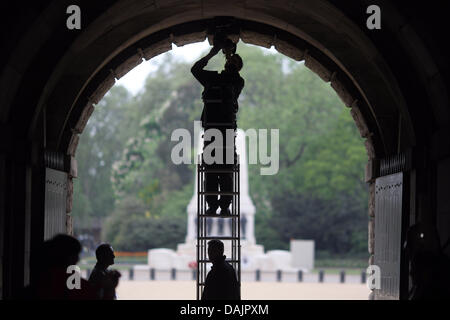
{"x":197,"y":68}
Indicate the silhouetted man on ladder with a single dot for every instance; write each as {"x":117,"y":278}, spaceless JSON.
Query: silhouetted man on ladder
{"x":220,"y":107}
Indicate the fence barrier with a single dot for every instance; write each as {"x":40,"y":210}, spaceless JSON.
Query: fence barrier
{"x":277,"y":275}
{"x":131,"y":274}
{"x":342,"y":276}
{"x":152,"y":274}
{"x":321,"y":273}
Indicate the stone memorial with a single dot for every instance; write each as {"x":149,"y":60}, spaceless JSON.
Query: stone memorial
{"x":252,"y":254}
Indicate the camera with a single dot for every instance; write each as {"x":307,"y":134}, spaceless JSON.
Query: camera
{"x":223,"y":42}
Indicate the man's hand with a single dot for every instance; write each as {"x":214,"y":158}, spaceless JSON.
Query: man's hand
{"x":114,"y":276}
{"x":215,"y":50}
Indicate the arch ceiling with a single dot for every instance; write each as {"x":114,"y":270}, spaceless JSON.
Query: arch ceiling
{"x":128,"y":32}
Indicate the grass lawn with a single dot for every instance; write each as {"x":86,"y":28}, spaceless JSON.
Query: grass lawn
{"x":348,"y":271}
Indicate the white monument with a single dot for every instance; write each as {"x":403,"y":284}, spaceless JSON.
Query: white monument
{"x":249,"y":248}
{"x":252,"y":254}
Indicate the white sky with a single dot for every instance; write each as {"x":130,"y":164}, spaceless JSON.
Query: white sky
{"x":135,"y":79}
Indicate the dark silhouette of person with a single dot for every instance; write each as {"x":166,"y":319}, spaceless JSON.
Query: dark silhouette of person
{"x":105,"y":281}
{"x":221,"y":282}
{"x":50,"y":276}
{"x":429,"y":266}
{"x":220,"y":95}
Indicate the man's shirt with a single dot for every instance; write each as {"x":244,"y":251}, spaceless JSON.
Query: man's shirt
{"x":221,"y":283}
{"x":103,"y":283}
{"x":220,"y":94}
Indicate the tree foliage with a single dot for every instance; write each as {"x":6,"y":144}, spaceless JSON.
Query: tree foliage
{"x":128,"y":179}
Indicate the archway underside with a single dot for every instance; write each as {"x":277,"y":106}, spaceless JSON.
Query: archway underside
{"x":283,"y":42}
{"x":111,"y":48}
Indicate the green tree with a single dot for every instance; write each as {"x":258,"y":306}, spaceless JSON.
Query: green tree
{"x":318,"y":193}
{"x":133,"y":228}
{"x":100,"y":145}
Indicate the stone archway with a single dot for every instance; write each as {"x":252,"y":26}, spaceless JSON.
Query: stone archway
{"x":54,"y":89}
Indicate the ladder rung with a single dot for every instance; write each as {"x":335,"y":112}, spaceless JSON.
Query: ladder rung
{"x":224,"y":147}
{"x":208,"y":261}
{"x":220,"y":124}
{"x":203,"y":164}
{"x":218,"y":193}
{"x":218,"y":215}
{"x":200,"y":246}
{"x":219,"y":171}
{"x":218,"y":238}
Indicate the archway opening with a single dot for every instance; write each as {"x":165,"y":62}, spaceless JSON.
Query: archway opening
{"x":338,"y":60}
{"x":55,"y":76}
{"x":321,"y":156}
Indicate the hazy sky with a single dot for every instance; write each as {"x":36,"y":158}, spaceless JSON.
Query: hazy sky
{"x":134,"y":80}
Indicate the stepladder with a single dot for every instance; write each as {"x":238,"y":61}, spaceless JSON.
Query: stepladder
{"x":219,"y":226}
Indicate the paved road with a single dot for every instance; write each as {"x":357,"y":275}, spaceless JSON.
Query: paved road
{"x":185,"y":290}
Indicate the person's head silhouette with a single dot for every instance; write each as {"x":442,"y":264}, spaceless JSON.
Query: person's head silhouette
{"x":105,"y":254}
{"x":64,"y":250}
{"x":233,"y":63}
{"x":215,"y":250}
